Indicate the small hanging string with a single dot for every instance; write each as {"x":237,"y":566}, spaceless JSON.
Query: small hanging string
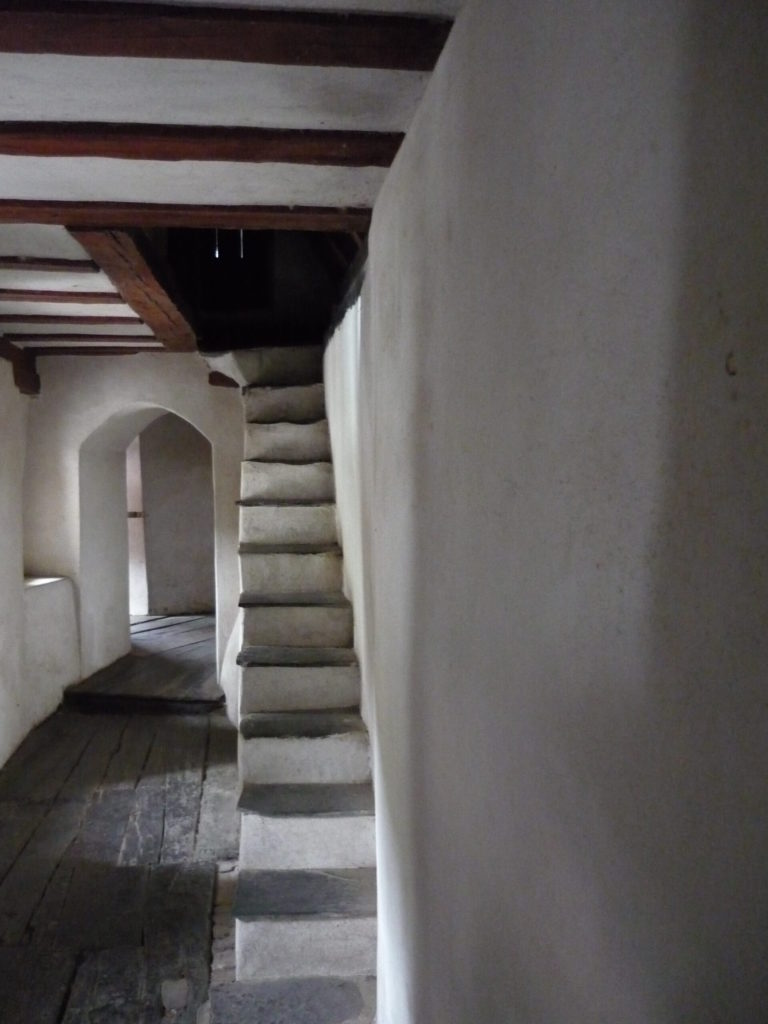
{"x":241,"y":244}
{"x":216,"y":244}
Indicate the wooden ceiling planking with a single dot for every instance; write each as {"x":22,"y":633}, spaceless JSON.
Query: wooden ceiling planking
{"x":141,"y":278}
{"x":201,"y":143}
{"x":184,"y":215}
{"x":314,"y":39}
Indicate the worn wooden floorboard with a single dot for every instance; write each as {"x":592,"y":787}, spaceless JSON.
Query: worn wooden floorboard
{"x":107,"y":874}
{"x":172,"y":666}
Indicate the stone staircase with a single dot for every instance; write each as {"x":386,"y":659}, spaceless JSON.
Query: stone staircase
{"x":305,"y":905}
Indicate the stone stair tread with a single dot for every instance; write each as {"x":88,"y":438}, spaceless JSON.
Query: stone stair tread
{"x":327,"y":800}
{"x":295,"y":657}
{"x":283,"y":502}
{"x":296,"y":599}
{"x":283,"y":461}
{"x":343,"y":893}
{"x":291,"y":725}
{"x":295,"y":1001}
{"x":290,"y":549}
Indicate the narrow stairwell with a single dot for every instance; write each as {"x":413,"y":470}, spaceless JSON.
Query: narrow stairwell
{"x":305,"y":906}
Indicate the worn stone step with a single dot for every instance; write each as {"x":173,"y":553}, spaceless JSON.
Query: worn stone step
{"x":304,"y":747}
{"x":299,"y":619}
{"x":315,"y":923}
{"x":270,"y":481}
{"x":299,"y":687}
{"x":288,"y":656}
{"x":280,"y":571}
{"x":307,"y":826}
{"x":296,"y":1000}
{"x":287,"y":365}
{"x":288,"y":442}
{"x":287,"y":523}
{"x":298,"y":404}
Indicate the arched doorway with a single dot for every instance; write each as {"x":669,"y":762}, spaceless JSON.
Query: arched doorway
{"x":178,"y":550}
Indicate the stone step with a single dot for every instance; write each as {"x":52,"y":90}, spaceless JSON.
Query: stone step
{"x":288,"y":442}
{"x":314,"y":923}
{"x":300,"y":404}
{"x":298,"y":619}
{"x":296,"y":1000}
{"x":299,"y":688}
{"x":304,"y":747}
{"x":309,"y":826}
{"x":276,"y":571}
{"x":283,"y":522}
{"x":274,"y":367}
{"x":300,"y":657}
{"x":269,"y":481}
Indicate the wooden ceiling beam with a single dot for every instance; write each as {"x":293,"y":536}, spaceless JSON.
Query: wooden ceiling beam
{"x":43,"y":264}
{"x":142,"y":279}
{"x":25,"y":375}
{"x":202,"y":143}
{"x":314,"y":39}
{"x":46,"y":295}
{"x":93,"y":350}
{"x":86,"y":340}
{"x":158,"y":215}
{"x":50,"y":319}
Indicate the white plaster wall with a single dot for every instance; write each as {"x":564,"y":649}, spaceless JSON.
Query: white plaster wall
{"x":51,"y":648}
{"x":179,"y":523}
{"x":88,"y":411}
{"x":562,"y":399}
{"x":16,"y":710}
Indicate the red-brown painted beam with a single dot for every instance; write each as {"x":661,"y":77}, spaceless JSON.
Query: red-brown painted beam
{"x":192,"y":142}
{"x":105,"y":350}
{"x":45,"y":265}
{"x":153,"y":215}
{"x":30,"y":340}
{"x":43,"y":295}
{"x":49,"y":319}
{"x":184,"y":33}
{"x":140,"y":276}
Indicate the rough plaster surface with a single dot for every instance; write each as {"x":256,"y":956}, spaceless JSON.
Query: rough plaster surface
{"x":179,"y":521}
{"x":200,"y":92}
{"x":561,"y":399}
{"x":17,"y":706}
{"x":79,"y":427}
{"x":51,"y":649}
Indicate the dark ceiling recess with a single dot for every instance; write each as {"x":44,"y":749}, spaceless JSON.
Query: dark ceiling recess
{"x":255,"y":288}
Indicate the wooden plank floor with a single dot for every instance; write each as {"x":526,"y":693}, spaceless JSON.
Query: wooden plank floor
{"x":171,"y":667}
{"x":110,"y":830}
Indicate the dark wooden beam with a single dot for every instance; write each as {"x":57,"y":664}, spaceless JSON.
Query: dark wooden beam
{"x":49,"y":319}
{"x":192,"y":142}
{"x":142,"y":279}
{"x":25,"y":375}
{"x":44,"y":295}
{"x":316,"y":39}
{"x":156,"y":215}
{"x":100,"y":350}
{"x":43,"y":264}
{"x":31,"y":340}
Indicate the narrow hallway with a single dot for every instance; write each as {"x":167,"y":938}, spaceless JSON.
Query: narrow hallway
{"x":113,"y":829}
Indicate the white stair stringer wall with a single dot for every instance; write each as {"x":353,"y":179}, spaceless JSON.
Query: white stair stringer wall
{"x":306,"y":900}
